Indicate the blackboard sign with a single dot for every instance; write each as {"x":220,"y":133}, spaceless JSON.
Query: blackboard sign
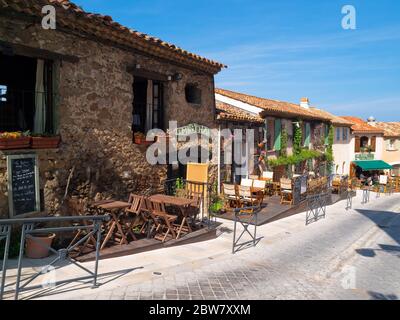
{"x":299,"y":189}
{"x":23,"y":184}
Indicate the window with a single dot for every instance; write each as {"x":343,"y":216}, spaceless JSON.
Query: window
{"x":26,"y":95}
{"x":391,"y":145}
{"x":345,"y":134}
{"x":193,"y":94}
{"x":3,"y":93}
{"x":147,"y":105}
{"x":337,"y":134}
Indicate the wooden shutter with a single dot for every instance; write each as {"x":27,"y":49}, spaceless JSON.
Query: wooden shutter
{"x":373,"y":143}
{"x":326,"y":134}
{"x":308,"y":132}
{"x":357,"y":144}
{"x":277,"y":144}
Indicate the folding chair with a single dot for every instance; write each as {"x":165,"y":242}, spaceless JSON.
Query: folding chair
{"x":260,"y":184}
{"x":164,"y":222}
{"x":247,"y":197}
{"x":230,"y":195}
{"x":286,"y":191}
{"x":246,"y":182}
{"x":133,"y":217}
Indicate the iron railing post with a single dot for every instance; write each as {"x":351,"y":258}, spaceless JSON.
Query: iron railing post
{"x":97,"y":228}
{"x":5,"y":232}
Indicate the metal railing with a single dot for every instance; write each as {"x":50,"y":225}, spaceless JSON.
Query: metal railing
{"x":316,"y":206}
{"x":30,"y":228}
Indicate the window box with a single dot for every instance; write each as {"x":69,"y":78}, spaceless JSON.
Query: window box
{"x":45,"y":142}
{"x":14,"y":140}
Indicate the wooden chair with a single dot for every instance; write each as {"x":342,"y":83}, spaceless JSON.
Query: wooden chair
{"x":133,"y":216}
{"x":247,"y":197}
{"x":262,"y":184}
{"x":163,"y":222}
{"x":286,"y":191}
{"x":194,"y":209}
{"x":267,"y":175}
{"x":254,"y":177}
{"x":230,"y":195}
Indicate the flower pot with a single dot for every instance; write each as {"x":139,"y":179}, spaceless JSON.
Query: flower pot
{"x":15,"y":143}
{"x":35,"y":249}
{"x":142,"y":141}
{"x":45,"y":142}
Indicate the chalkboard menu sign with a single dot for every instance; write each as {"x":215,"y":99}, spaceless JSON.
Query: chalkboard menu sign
{"x":23,"y":184}
{"x":299,"y":189}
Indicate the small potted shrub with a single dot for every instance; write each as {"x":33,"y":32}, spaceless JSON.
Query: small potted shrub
{"x":14,"y":140}
{"x":45,"y":141}
{"x":35,"y":245}
{"x":217,"y":206}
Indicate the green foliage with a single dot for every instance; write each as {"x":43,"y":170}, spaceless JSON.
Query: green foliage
{"x":179,"y":184}
{"x":294,"y":159}
{"x":217,"y":206}
{"x":329,"y":149}
{"x":297,"y":138}
{"x":284,"y":142}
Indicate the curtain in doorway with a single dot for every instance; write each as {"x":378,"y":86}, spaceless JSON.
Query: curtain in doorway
{"x":39,"y":125}
{"x":149,"y":105}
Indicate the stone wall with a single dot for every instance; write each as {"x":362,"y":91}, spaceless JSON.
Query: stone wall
{"x":95,"y":115}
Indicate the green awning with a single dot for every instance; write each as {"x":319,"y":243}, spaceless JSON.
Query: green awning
{"x":368,"y":165}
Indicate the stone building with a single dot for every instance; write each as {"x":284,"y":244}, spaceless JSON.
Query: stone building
{"x":95,"y":83}
{"x":280,"y":120}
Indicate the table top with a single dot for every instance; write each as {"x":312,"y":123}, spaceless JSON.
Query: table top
{"x":113,"y":205}
{"x":171,"y":200}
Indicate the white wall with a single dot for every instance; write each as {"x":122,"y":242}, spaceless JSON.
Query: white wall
{"x":343,"y":152}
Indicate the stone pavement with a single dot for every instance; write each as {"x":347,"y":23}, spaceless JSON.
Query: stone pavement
{"x":349,"y":255}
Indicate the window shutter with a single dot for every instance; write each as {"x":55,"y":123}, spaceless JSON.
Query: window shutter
{"x":373,"y":144}
{"x":278,"y":124}
{"x":307,"y":139}
{"x":266,"y":134}
{"x":357,"y":144}
{"x":326,"y":134}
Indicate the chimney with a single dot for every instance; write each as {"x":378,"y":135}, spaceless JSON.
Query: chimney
{"x":305,"y":103}
{"x":371,"y":119}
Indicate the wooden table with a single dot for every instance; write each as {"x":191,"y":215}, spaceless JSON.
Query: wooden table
{"x":113,"y":225}
{"x":181,"y":203}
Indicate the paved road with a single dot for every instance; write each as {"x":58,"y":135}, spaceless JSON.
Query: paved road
{"x":348,"y":255}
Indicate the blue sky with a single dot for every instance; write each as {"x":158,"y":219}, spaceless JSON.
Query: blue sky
{"x":284,"y":49}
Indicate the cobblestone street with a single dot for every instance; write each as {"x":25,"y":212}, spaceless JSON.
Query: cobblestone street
{"x":349,"y":255}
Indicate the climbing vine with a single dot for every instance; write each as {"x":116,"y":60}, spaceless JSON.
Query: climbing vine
{"x":297,"y":138}
{"x":329,"y":148}
{"x":284,"y":142}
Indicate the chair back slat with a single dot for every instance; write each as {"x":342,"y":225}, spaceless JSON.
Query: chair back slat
{"x":136,"y":203}
{"x":245,"y":191}
{"x":269,"y":175}
{"x":246,"y":183}
{"x":286,"y":184}
{"x":229,"y":189}
{"x":259,"y":184}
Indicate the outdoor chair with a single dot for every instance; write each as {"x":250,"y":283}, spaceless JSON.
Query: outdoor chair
{"x":286,"y":191}
{"x":133,"y":216}
{"x":262,"y":184}
{"x":247,"y":197}
{"x":163,"y":222}
{"x":246,"y":182}
{"x":230,"y":195}
{"x":254,"y":177}
{"x":194,"y":209}
{"x":268,"y":176}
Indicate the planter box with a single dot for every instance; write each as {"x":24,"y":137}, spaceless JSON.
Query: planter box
{"x":17,"y":143}
{"x":142,"y":141}
{"x":45,"y":142}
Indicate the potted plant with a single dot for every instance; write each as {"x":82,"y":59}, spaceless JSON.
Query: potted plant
{"x":140,"y":138}
{"x":217,"y":206}
{"x":45,"y":141}
{"x":37,"y":246}
{"x":14,"y":140}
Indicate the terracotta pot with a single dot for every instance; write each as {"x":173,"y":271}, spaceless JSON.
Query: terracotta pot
{"x":34,"y":250}
{"x":45,"y":142}
{"x":17,"y":143}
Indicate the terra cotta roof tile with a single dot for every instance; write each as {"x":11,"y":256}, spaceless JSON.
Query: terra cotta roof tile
{"x":231,"y":113}
{"x":359,"y":125}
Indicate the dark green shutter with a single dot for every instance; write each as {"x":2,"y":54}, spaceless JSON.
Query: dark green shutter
{"x":326,"y":134}
{"x":277,"y":144}
{"x":307,"y":139}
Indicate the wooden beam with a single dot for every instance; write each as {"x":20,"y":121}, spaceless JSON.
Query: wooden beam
{"x":148,"y":74}
{"x":19,"y":49}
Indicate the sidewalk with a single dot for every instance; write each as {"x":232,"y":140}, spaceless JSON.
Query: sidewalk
{"x":118,"y":273}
